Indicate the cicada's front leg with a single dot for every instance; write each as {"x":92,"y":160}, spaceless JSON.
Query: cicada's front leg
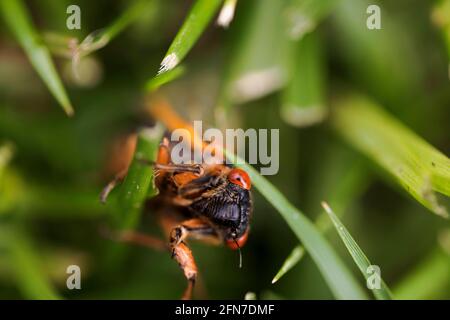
{"x":192,"y":228}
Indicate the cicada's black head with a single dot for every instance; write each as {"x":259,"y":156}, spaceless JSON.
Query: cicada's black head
{"x":229,"y":207}
{"x":236,"y":212}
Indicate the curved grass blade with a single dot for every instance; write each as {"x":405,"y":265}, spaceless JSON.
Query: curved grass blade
{"x":357,"y":254}
{"x":197,"y":20}
{"x":18,"y":20}
{"x":344,"y":179}
{"x":293,"y":258}
{"x":337,"y":276}
{"x":416,"y":165}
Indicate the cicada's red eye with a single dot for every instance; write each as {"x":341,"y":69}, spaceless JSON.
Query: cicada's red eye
{"x":238,"y":243}
{"x":240,"y":178}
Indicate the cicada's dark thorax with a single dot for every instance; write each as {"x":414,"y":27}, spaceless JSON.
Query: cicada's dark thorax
{"x":229,"y":209}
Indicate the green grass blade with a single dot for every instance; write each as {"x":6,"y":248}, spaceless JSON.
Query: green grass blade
{"x":340,"y":280}
{"x":357,"y":254}
{"x":163,"y":78}
{"x":10,"y":184}
{"x":416,"y":165}
{"x":6,"y":153}
{"x":270,"y":295}
{"x":305,"y":15}
{"x":196,"y":22}
{"x":129,"y":15}
{"x":257,"y":58}
{"x":294,"y":257}
{"x":426,"y":279}
{"x":256,"y":68}
{"x":138,"y":184}
{"x":441,"y":18}
{"x":30,"y":276}
{"x":226,"y":14}
{"x":129,"y":198}
{"x":304,"y":96}
{"x":100,"y":38}
{"x":342,"y":179}
{"x":18,"y":20}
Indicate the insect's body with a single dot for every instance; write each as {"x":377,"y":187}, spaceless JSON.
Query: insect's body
{"x":217,"y":194}
{"x":208,"y":202}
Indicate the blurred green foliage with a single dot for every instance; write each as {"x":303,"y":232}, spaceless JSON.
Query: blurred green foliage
{"x":52,"y":168}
